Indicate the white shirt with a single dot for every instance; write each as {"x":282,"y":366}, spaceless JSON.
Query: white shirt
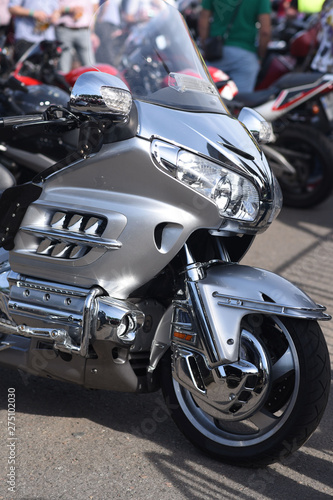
{"x":323,"y":60}
{"x":4,"y":13}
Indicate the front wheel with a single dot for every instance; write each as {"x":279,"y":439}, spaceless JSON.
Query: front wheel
{"x":289,"y":410}
{"x":310,"y":152}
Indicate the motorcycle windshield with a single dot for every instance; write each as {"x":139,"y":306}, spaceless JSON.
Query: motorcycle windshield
{"x":149,"y":45}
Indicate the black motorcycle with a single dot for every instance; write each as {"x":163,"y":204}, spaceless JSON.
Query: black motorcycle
{"x":29,"y":153}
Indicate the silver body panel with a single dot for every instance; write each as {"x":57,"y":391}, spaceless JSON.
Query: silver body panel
{"x":122,"y":184}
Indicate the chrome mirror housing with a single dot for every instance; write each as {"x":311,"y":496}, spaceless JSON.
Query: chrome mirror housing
{"x":261,"y":130}
{"x":100,"y":93}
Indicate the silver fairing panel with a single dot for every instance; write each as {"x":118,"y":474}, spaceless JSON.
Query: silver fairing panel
{"x":146,"y":215}
{"x":115,"y":219}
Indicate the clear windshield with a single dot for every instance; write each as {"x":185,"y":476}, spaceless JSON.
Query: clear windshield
{"x":148,"y":42}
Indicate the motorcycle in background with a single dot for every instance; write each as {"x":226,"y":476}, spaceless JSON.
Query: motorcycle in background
{"x":292,"y":48}
{"x":28,"y":153}
{"x":124,"y":267}
{"x":31,"y":86}
{"x":39,"y":65}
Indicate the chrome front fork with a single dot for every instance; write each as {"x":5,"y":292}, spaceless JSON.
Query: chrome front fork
{"x":199,"y":364}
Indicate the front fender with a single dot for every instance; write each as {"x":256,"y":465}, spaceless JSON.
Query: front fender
{"x":230,"y":292}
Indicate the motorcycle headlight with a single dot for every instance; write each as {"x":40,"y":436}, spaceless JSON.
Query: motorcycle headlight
{"x":235,"y":196}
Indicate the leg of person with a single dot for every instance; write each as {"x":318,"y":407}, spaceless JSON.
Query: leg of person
{"x":65,"y":36}
{"x":241,"y":65}
{"x":83,"y":47}
{"x":104,"y":52}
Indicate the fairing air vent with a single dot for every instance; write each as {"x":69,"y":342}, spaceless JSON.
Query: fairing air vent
{"x":70,"y":235}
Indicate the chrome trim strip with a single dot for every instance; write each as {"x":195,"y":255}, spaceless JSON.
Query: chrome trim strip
{"x":72,"y":237}
{"x":186,"y":327}
{"x":7,"y":326}
{"x":46,"y":287}
{"x":271,"y":307}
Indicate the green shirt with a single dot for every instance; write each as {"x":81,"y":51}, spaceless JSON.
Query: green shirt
{"x":243,"y":32}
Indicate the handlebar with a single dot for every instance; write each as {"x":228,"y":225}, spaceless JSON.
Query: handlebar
{"x":11,"y":121}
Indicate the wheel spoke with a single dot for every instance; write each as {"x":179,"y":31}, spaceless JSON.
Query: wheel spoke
{"x":263,"y":419}
{"x":283,"y":366}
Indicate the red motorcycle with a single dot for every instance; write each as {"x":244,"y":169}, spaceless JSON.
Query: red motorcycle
{"x":292,"y":54}
{"x":39,"y":65}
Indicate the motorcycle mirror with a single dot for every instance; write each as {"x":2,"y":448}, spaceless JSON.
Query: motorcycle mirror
{"x":100,"y":93}
{"x":261,"y":130}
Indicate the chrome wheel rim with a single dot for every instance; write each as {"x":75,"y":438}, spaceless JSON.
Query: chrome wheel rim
{"x":275,"y":409}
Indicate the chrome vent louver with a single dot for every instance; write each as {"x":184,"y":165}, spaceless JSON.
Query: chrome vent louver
{"x":88,"y":224}
{"x":70,"y":235}
{"x":61,"y":249}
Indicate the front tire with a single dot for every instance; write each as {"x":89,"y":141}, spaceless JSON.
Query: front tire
{"x":289,"y":414}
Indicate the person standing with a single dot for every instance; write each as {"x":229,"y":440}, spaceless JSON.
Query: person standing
{"x":73,"y":31}
{"x":323,"y":59}
{"x":4,"y":17}
{"x":108,"y":28}
{"x":246,"y":44}
{"x":33,"y":22}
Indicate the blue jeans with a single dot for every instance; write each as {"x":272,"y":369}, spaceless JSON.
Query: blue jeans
{"x":241,"y":65}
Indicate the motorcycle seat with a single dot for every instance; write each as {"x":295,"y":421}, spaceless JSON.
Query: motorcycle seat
{"x":288,"y":81}
{"x":291,"y":80}
{"x":253,"y":99}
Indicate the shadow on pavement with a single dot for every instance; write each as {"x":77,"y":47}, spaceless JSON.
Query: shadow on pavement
{"x":136,"y":420}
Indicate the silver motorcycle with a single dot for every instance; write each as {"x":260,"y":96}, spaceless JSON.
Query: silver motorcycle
{"x":120,"y":264}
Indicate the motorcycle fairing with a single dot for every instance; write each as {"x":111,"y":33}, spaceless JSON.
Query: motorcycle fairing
{"x":147,"y":216}
{"x":158,"y":212}
{"x":290,"y":98}
{"x":209,"y":134}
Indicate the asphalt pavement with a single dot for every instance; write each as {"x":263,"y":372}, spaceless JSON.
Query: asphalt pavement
{"x":74,"y":444}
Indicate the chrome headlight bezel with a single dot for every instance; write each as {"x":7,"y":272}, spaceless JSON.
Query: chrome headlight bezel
{"x":235,"y":196}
